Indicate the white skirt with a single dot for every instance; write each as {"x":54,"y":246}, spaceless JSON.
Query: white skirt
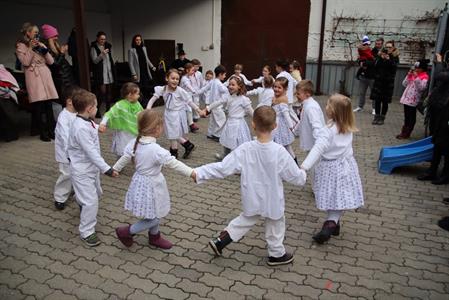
{"x":148,"y":197}
{"x":337,"y":184}
{"x":282,"y":134}
{"x":235,"y":132}
{"x":120,"y":140}
{"x":175,"y":124}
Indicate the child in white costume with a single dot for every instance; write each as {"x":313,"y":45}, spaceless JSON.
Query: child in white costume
{"x":283,"y":134}
{"x":266,"y":71}
{"x":265,"y":94}
{"x":175,"y":119}
{"x":208,"y":78}
{"x":63,"y":186}
{"x":217,"y":91}
{"x":312,"y":118}
{"x":147,"y":197}
{"x":238,"y":68}
{"x":235,"y":131}
{"x":282,"y":67}
{"x":122,"y":118}
{"x":337,"y":185}
{"x":263,"y":166}
{"x":189,"y":84}
{"x":86,"y":163}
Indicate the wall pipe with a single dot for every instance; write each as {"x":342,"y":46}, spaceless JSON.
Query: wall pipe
{"x":320,"y":54}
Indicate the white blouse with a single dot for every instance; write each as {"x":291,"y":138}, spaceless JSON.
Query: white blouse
{"x":174,"y":100}
{"x":311,"y":121}
{"x":237,"y":106}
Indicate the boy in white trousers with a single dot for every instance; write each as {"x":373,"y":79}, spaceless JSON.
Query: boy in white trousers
{"x":86,"y":164}
{"x":63,"y":186}
{"x":217,"y":90}
{"x":263,"y":165}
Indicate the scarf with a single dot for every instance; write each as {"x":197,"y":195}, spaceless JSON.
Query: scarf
{"x":123,"y":116}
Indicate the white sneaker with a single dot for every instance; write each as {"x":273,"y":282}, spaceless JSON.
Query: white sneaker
{"x":374,"y":112}
{"x":358,"y":109}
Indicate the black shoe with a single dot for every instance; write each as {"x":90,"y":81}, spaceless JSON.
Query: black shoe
{"x":174,"y":152}
{"x":214,"y":138}
{"x":375,"y":120}
{"x":45,"y":138}
{"x":444,"y":223}
{"x":51,"y":135}
{"x":446,"y":200}
{"x":283,"y":260}
{"x":441,"y":180}
{"x":188,"y":146}
{"x":426,"y":177}
{"x":381,"y":120}
{"x":59,"y":205}
{"x":337,"y":230}
{"x":329,"y":229}
{"x":220,"y":243}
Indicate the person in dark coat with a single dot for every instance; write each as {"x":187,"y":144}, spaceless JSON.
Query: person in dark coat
{"x":438,"y":109}
{"x":385,"y":67}
{"x":180,"y":62}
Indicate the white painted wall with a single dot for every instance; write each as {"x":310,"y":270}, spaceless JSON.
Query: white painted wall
{"x":394,"y":20}
{"x":56,"y":13}
{"x":185,"y":21}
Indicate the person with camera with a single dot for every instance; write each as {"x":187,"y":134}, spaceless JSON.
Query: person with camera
{"x":102,"y":69}
{"x":34,"y":57}
{"x":385,"y":67}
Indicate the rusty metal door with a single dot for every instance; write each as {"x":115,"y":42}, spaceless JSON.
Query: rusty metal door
{"x":256,"y":33}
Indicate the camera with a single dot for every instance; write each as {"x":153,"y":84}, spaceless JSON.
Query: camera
{"x":385,"y":50}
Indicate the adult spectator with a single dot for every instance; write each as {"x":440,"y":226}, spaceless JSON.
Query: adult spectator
{"x":438,"y":110}
{"x":34,"y":57}
{"x":378,"y":45}
{"x":140,"y":65}
{"x":385,"y":67}
{"x":102,"y":70}
{"x":61,"y":69}
{"x":180,"y":62}
{"x":365,"y":75}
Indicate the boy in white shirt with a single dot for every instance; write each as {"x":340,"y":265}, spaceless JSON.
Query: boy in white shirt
{"x":217,"y":90}
{"x":63,"y":186}
{"x":311,"y":117}
{"x":263,"y":164}
{"x":238,"y":69}
{"x":282,"y":67}
{"x":86,"y":163}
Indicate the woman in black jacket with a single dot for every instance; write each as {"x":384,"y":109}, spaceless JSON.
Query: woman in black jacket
{"x":385,"y":68}
{"x":438,"y":110}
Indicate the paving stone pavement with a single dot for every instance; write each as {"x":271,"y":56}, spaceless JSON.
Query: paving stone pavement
{"x":390,"y":249}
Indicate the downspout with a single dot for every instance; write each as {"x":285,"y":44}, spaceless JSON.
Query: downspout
{"x":320,"y":54}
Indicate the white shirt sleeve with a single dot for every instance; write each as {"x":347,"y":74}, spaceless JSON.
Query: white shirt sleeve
{"x":254,"y":92}
{"x":205,"y":88}
{"x":316,"y":121}
{"x":246,"y":81}
{"x":322,"y":144}
{"x":88,"y":146}
{"x":248,"y":107}
{"x":286,"y":113}
{"x":178,"y":166}
{"x":104,"y":121}
{"x":288,"y":169}
{"x":230,"y":165}
{"x":158,"y":92}
{"x":217,"y":103}
{"x":258,"y":80}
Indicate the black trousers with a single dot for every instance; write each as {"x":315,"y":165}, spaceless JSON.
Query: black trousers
{"x":42,"y":118}
{"x":438,"y":153}
{"x":409,"y":116}
{"x":381,"y":106}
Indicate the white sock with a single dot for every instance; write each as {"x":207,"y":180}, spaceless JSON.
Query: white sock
{"x":334,"y":215}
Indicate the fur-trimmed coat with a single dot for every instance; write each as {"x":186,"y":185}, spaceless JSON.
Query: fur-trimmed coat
{"x":384,"y":75}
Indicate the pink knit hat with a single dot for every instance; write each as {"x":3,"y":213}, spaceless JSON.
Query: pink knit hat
{"x":49,"y":31}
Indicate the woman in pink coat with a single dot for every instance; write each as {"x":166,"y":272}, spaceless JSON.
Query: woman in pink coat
{"x":41,"y":90}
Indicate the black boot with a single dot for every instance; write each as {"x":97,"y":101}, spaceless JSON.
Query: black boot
{"x":441,"y":180}
{"x":329,"y":228}
{"x":174,"y":152}
{"x":220,"y":242}
{"x":381,"y":120}
{"x":188,"y":146}
{"x":375,"y":120}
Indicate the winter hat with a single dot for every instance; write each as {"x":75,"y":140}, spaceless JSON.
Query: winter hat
{"x":49,"y":31}
{"x":365,"y":40}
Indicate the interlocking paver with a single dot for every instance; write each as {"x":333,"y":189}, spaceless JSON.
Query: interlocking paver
{"x":390,"y":249}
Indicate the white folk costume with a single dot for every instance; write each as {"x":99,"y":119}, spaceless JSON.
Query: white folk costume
{"x":291,"y":86}
{"x":283,"y":133}
{"x":263,"y":167}
{"x":217,"y":118}
{"x":122,"y":118}
{"x":235,"y":131}
{"x":63,"y":186}
{"x":336,"y":179}
{"x":175,"y":119}
{"x":86,"y":164}
{"x":147,"y":195}
{"x":192,"y":84}
{"x":311,"y":121}
{"x":264,"y":96}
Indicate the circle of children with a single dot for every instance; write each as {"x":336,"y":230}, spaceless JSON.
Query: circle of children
{"x":263,"y":162}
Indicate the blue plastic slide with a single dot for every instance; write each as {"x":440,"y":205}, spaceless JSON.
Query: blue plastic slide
{"x":403,"y":155}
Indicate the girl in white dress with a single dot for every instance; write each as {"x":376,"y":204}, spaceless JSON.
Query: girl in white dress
{"x":283,"y":133}
{"x":266,"y":71}
{"x":265,"y":93}
{"x":191,"y":84}
{"x":147,"y":195}
{"x":336,"y":180}
{"x":175,"y":118}
{"x":235,"y":131}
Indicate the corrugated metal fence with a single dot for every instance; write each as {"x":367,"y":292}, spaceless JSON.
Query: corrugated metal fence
{"x":340,"y":77}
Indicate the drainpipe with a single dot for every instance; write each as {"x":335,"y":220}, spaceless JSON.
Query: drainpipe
{"x":320,"y":54}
